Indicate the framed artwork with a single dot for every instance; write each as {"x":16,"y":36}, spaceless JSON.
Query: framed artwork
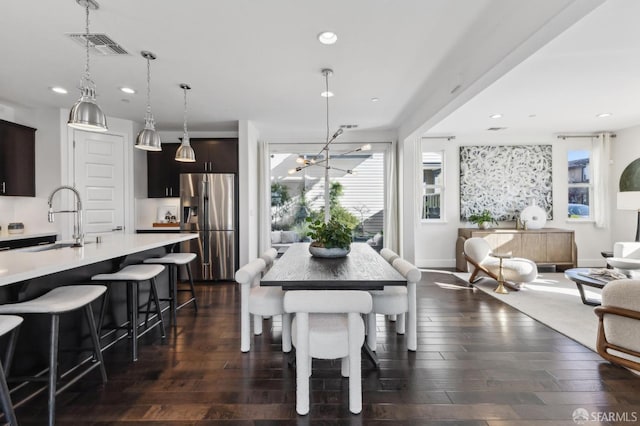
{"x":505,"y":179}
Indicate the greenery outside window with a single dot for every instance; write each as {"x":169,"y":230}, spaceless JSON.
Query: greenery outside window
{"x":580,"y":185}
{"x":432,"y":185}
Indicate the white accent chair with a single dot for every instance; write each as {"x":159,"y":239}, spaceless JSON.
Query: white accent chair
{"x":328,"y":325}
{"x":396,"y":300}
{"x":259,"y":301}
{"x":269,"y":257}
{"x":515,"y":270}
{"x":389,"y":255}
{"x":619,"y":323}
{"x":626,"y":258}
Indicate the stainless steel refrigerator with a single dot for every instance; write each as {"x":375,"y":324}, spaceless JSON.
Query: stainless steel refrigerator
{"x":208,"y":207}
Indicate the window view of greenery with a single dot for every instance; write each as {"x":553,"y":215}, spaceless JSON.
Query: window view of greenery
{"x":579,"y":184}
{"x":432,"y":185}
{"x":355,"y":199}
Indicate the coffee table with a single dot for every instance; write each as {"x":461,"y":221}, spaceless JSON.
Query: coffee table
{"x":579,"y":276}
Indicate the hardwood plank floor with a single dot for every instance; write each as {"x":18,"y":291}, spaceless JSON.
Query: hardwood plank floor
{"x":479,"y":362}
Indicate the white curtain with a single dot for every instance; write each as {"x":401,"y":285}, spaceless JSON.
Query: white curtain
{"x":264,"y":194}
{"x":600,"y":170}
{"x":391,"y":199}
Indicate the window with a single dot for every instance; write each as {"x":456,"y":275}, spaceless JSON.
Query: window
{"x":580,"y":187}
{"x":432,"y":185}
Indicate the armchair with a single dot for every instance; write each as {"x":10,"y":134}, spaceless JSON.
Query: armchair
{"x":514,"y":270}
{"x":619,"y":323}
{"x":626,"y":258}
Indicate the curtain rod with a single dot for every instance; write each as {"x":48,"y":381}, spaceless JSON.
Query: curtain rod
{"x":612,"y":135}
{"x":438,"y":137}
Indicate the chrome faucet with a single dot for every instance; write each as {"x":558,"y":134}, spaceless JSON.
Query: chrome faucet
{"x":78,"y":234}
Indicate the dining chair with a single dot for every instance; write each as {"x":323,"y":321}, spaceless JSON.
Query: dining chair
{"x":389,"y":255}
{"x":396,"y":300}
{"x":328,"y":325}
{"x":259,"y":301}
{"x":269,"y":256}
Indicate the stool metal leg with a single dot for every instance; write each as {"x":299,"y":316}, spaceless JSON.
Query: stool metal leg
{"x":103,"y":308}
{"x":154,"y":291}
{"x":173,"y":288}
{"x":53,"y":367}
{"x":134,"y":319}
{"x":5,"y":396}
{"x":96,"y":341}
{"x":193,"y":289}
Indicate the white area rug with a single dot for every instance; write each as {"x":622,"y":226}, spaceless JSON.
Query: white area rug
{"x":553,"y":300}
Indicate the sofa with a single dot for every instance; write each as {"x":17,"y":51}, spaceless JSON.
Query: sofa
{"x":376,"y":242}
{"x":281,"y":240}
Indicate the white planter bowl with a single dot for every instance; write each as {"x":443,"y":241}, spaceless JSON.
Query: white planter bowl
{"x":328,"y":252}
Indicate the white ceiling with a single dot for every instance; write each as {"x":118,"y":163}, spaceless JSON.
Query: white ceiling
{"x":261,"y":61}
{"x":591,"y":68}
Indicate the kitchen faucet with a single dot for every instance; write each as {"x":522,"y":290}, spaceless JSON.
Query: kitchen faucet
{"x":78,"y":234}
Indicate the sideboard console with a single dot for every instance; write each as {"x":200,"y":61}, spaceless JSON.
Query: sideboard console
{"x":546,"y":246}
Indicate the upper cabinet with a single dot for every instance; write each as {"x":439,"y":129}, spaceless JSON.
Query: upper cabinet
{"x":17,"y":160}
{"x":213,"y":156}
{"x":163,"y":172}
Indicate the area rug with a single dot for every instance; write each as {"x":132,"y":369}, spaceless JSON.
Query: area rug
{"x":552,"y":300}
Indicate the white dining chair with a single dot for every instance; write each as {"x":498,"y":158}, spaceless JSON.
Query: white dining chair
{"x":269,"y":257}
{"x":259,"y":301}
{"x":328,"y":325}
{"x":389,"y":255}
{"x":396,"y":300}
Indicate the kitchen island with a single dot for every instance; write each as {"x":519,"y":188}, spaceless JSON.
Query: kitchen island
{"x":30,"y":272}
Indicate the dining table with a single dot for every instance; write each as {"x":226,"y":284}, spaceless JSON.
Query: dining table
{"x":362,"y":269}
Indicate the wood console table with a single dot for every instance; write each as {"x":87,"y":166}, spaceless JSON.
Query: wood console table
{"x":546,"y":246}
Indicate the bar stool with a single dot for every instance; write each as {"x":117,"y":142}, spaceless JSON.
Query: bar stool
{"x":8,"y":324}
{"x":173,"y":261}
{"x":58,"y":301}
{"x":133,"y":275}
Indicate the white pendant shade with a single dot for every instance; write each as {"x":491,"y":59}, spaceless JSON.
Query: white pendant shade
{"x":185,"y":153}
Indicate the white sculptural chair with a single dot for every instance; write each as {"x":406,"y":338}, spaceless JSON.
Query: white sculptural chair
{"x":626,"y":258}
{"x":619,"y":323}
{"x":328,"y":325}
{"x":389,"y":255}
{"x":259,"y":301}
{"x":515,"y":270}
{"x":396,"y":300}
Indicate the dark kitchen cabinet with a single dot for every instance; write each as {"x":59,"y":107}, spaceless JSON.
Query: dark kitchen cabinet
{"x":213,"y":156}
{"x":17,"y":159}
{"x":163,"y":172}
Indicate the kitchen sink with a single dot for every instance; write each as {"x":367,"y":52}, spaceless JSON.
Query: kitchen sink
{"x":47,"y":247}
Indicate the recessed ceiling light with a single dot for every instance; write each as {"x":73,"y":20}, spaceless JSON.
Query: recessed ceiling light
{"x":326,"y":94}
{"x":604,"y":114}
{"x":495,"y":116}
{"x":532,"y":116}
{"x":128,"y":90}
{"x":327,"y":37}
{"x":60,"y":90}
{"x":375,"y":99}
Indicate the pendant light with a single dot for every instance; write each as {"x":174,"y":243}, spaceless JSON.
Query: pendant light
{"x":148,"y":139}
{"x":185,"y":152}
{"x":86,"y":114}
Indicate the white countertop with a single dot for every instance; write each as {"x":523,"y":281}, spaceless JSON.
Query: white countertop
{"x":16,"y":265}
{"x":5,"y":236}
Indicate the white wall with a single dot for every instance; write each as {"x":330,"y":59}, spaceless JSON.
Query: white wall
{"x":248,"y":188}
{"x":435,"y":240}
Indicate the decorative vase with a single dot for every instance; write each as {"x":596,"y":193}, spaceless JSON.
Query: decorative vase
{"x":533,"y":217}
{"x":328,"y":253}
{"x":484,"y":225}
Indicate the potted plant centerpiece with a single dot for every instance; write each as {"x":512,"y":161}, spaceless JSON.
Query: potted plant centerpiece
{"x":483,"y":220}
{"x":330,"y":239}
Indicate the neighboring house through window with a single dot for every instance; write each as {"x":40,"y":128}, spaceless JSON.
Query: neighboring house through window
{"x":432,"y":185}
{"x":580,"y":185}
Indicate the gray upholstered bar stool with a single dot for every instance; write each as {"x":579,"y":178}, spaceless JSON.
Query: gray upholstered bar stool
{"x":173,"y":261}
{"x":132,"y":276}
{"x":8,"y":324}
{"x":59,"y":301}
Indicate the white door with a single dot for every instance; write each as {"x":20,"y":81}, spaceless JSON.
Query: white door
{"x":99,"y":177}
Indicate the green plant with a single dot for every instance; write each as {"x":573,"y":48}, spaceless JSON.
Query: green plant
{"x":333,"y":234}
{"x":480,"y":218}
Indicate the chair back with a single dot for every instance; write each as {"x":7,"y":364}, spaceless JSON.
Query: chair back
{"x":328,"y":301}
{"x":249,"y":274}
{"x":477,"y":249}
{"x":629,"y":250}
{"x":408,"y":270}
{"x":389,"y":255}
{"x":269,"y":257}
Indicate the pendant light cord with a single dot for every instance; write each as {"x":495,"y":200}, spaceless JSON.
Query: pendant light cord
{"x":185,"y":110}
{"x":148,"y":85}
{"x":326,"y":78}
{"x":86,"y":67}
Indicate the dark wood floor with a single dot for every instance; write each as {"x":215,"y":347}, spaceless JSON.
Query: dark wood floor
{"x":479,"y":362}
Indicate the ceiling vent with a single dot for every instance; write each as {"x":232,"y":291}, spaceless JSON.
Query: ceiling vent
{"x":100,"y":44}
{"x":348,"y":126}
{"x":495,"y":129}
